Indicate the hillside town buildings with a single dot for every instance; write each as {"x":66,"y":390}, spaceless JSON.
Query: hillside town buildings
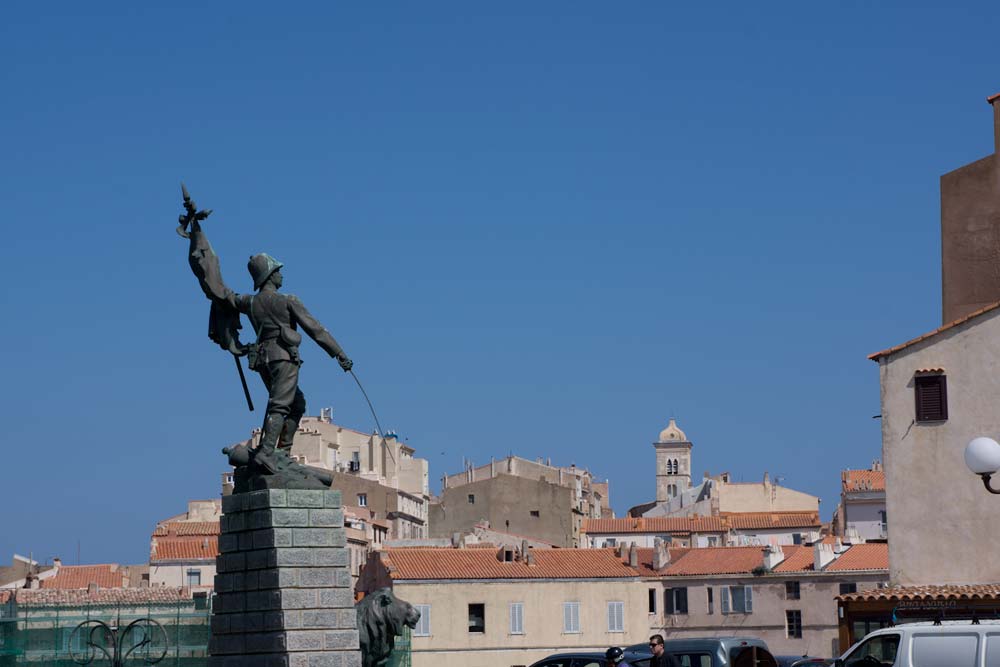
{"x":679,"y":494}
{"x":519,"y":496}
{"x":861,"y":514}
{"x":510,"y":606}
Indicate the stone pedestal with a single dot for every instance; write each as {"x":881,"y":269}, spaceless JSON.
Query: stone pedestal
{"x":283,"y":595}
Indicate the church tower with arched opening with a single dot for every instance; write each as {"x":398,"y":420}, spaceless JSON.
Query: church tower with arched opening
{"x":673,"y":462}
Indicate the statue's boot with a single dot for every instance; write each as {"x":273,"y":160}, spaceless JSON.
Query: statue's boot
{"x":288,"y":431}
{"x":264,"y":455}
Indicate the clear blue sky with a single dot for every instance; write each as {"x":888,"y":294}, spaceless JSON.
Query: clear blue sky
{"x":537,"y":228}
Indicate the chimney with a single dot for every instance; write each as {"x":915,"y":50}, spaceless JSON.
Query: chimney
{"x":92,"y":588}
{"x":456,"y":541}
{"x":994,"y":101}
{"x":773,"y":555}
{"x":633,"y":556}
{"x":529,"y":559}
{"x":57,"y":563}
{"x":524,"y":550}
{"x":661,"y":554}
{"x":620,"y":550}
{"x":822,"y":555}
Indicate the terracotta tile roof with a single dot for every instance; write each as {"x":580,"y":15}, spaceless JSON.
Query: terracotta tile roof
{"x":654,"y":525}
{"x":174,"y":548}
{"x":797,"y":559}
{"x":646,"y":560}
{"x":81,"y":576}
{"x":717,"y":560}
{"x":765,"y":520}
{"x":54,"y":597}
{"x":181,"y":528}
{"x":870,"y":556}
{"x":448,"y":563}
{"x":950,"y":592}
{"x":862,"y":480}
{"x":892,"y":350}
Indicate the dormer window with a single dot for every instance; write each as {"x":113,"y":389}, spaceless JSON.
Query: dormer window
{"x":930,"y":392}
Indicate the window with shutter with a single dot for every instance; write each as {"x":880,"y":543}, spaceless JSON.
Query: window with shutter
{"x":668,"y":601}
{"x":748,"y":599}
{"x":616,"y":616}
{"x":571,"y":617}
{"x":423,"y":628}
{"x":681,"y":600}
{"x":931,"y":394}
{"x":724,"y":599}
{"x":517,"y":618}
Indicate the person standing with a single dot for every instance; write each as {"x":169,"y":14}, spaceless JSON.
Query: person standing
{"x":660,"y":656}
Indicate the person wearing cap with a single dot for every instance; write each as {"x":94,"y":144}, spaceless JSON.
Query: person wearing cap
{"x":660,"y":656}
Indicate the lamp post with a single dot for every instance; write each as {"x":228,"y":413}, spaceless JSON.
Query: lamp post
{"x":982,"y":456}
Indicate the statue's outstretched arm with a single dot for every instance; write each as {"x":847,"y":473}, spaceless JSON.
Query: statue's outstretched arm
{"x":316,"y":331}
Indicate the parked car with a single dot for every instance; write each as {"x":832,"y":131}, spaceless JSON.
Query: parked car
{"x":800,"y":661}
{"x":708,"y":652}
{"x":592,"y":659}
{"x":951,"y":644}
{"x":717,"y":652}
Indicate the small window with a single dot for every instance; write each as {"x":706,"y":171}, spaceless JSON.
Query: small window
{"x":571,"y":617}
{"x":652,"y":600}
{"x":848,"y":588}
{"x":931,"y":394}
{"x":472,"y":499}
{"x":793,"y":623}
{"x":193,"y":578}
{"x":423,"y":628}
{"x":737,"y":599}
{"x":200,"y":601}
{"x":796,"y":538}
{"x":477,"y":617}
{"x":711,"y":601}
{"x":791,"y":590}
{"x":675,"y":601}
{"x":535,"y":513}
{"x":616,"y":617}
{"x":362,"y":500}
{"x":516,"y":618}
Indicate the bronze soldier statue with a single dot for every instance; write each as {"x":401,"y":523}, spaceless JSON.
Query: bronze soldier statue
{"x":275,"y":318}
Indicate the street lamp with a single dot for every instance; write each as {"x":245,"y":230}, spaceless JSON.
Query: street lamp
{"x":982,"y":455}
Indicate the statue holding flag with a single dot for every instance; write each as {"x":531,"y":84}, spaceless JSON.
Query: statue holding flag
{"x":275,"y":318}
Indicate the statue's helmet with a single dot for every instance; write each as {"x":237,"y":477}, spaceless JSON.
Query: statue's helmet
{"x":261,"y":267}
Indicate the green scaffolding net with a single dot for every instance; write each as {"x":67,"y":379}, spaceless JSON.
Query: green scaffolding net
{"x":46,"y":636}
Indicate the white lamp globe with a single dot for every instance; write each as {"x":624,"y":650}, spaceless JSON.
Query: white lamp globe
{"x":982,"y":455}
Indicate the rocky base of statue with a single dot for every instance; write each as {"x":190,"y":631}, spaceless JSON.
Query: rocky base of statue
{"x":258,"y":469}
{"x":283,"y":595}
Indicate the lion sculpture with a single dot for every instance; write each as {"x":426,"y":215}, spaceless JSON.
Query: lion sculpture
{"x":381,"y":617}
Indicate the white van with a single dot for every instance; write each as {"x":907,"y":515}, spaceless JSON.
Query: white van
{"x":951,"y":644}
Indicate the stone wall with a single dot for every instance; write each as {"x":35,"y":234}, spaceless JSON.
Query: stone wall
{"x":283,"y":588}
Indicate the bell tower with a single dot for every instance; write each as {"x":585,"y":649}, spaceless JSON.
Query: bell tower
{"x":673,"y":462}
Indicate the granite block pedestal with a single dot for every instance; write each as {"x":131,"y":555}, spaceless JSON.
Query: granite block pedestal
{"x":283,"y":595}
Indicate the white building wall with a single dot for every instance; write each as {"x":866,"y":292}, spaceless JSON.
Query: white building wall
{"x":941,"y":520}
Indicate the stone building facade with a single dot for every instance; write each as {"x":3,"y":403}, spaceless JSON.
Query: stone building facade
{"x":519,"y":496}
{"x":970,"y":232}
